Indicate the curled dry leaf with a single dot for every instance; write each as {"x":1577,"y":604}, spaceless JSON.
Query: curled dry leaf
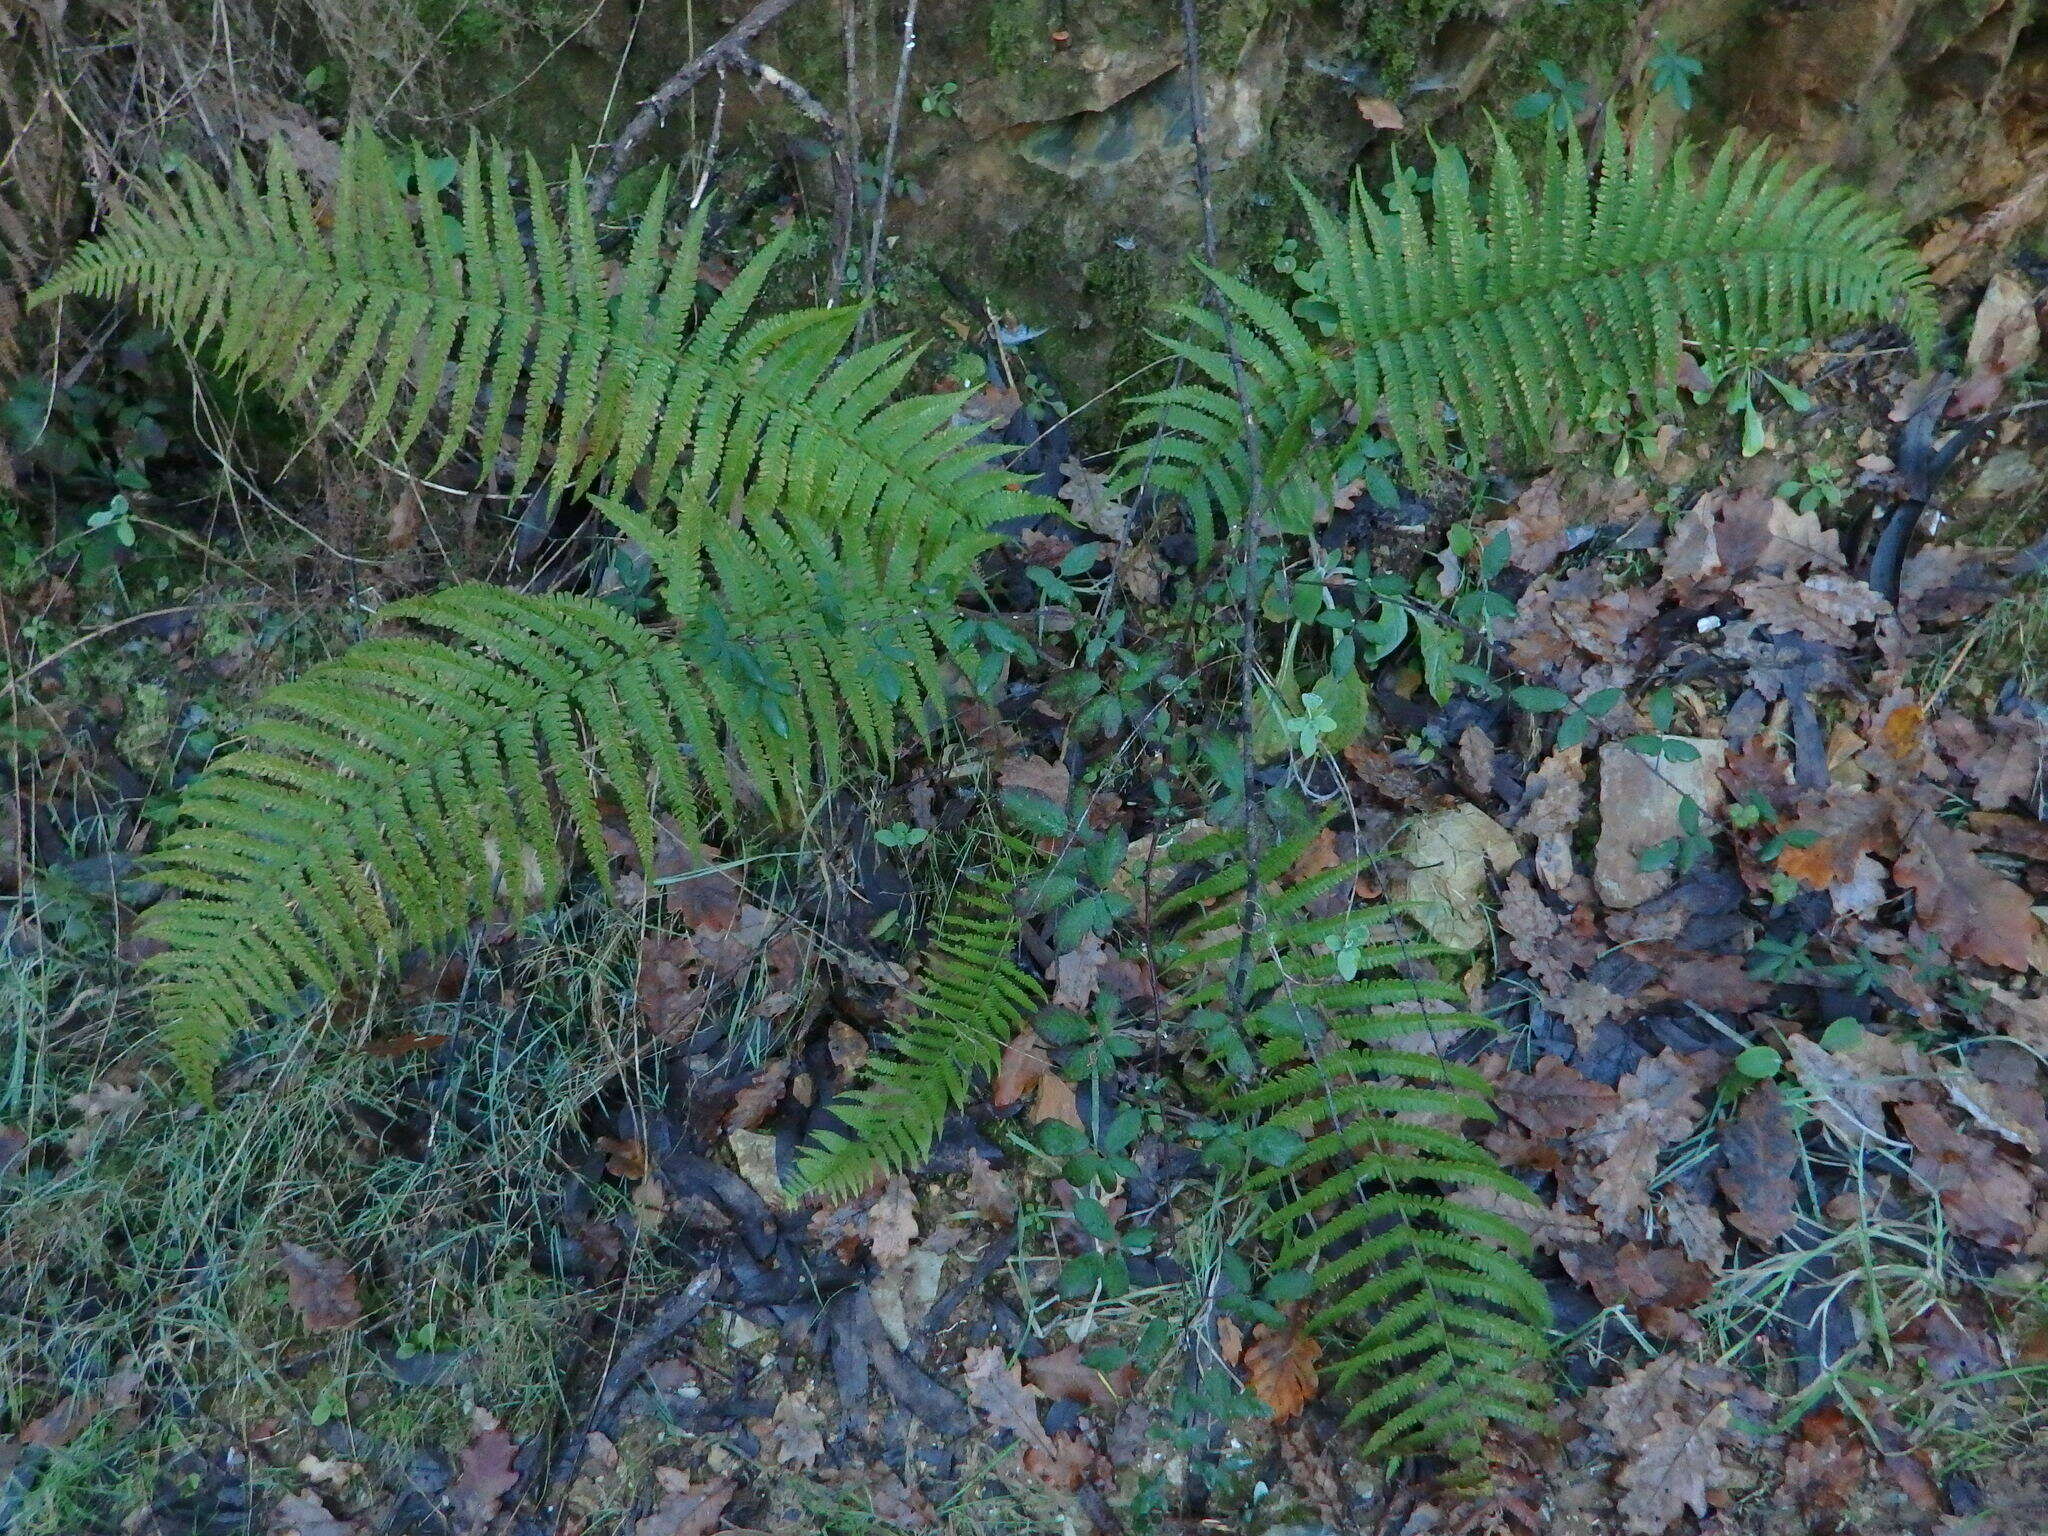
{"x":322,"y":1290}
{"x":1280,"y":1368}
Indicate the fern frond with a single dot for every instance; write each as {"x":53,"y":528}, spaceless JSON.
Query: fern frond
{"x":972,"y":998}
{"x":389,"y":797}
{"x":1567,"y":297}
{"x":510,"y":313}
{"x":1427,"y":1314}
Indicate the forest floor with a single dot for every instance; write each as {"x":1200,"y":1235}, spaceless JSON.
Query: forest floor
{"x":501,"y":1246}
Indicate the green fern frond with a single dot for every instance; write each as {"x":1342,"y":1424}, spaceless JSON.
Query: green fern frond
{"x":1567,"y":296}
{"x":389,"y":797}
{"x":510,"y":313}
{"x":1428,"y":1316}
{"x":972,"y":999}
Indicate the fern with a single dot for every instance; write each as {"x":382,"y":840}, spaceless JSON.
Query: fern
{"x":1428,"y":1315}
{"x":813,"y":530}
{"x":1567,"y":296}
{"x":971,"y":1001}
{"x":511,"y":313}
{"x":390,"y":796}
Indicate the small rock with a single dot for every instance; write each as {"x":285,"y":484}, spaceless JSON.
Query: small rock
{"x":2005,"y":474}
{"x":1639,"y":805}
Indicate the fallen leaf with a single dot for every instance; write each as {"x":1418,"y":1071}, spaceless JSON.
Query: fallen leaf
{"x":485,"y":1477}
{"x":757,"y":1100}
{"x":1846,"y":1099}
{"x":1831,"y":839}
{"x":996,"y":1389}
{"x":1090,"y":506}
{"x":303,"y":1514}
{"x":1970,"y":908}
{"x":1055,"y":1100}
{"x":1538,"y":526}
{"x":321,"y":1289}
{"x":105,"y":1110}
{"x":847,"y":1046}
{"x":1380,"y":112}
{"x":993,"y":1198}
{"x":1280,"y":1368}
{"x":1826,"y":606}
{"x":1024,"y":1063}
{"x":1760,"y":1149}
{"x":1061,"y":1373}
{"x":623,"y":1159}
{"x":1982,"y":1194}
{"x":1672,"y":1468}
{"x":686,"y":1508}
{"x":890,"y":1225}
{"x":793,"y":1434}
{"x":1076,"y":973}
{"x":1068,"y":1465}
{"x":1655,"y":1108}
{"x":2004,"y":339}
{"x":1555,"y":1099}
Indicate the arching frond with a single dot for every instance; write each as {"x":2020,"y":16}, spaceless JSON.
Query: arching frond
{"x":1570,"y":294}
{"x":1428,"y":1317}
{"x":506,"y":315}
{"x":970,"y":1001}
{"x":389,"y":797}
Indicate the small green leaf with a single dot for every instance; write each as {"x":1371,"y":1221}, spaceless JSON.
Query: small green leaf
{"x":1759,"y":1062}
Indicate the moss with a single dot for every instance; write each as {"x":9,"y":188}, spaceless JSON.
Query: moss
{"x":1391,"y":35}
{"x":1227,"y":25}
{"x":1017,"y":35}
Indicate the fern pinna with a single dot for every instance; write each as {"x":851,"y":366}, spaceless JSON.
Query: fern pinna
{"x":970,"y":1001}
{"x":1571,"y":294}
{"x":509,"y":314}
{"x":1428,"y":1316}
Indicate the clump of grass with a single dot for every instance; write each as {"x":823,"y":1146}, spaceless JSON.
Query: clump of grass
{"x":142,"y":1245}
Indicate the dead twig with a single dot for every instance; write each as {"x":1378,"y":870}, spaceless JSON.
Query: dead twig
{"x":721,"y":54}
{"x":867,"y":273}
{"x":843,"y":182}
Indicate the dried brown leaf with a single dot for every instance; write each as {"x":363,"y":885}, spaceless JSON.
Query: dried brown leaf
{"x":1971,"y":909}
{"x":485,"y":1477}
{"x":321,"y":1288}
{"x":1761,"y":1151}
{"x":996,"y":1389}
{"x":1280,"y":1368}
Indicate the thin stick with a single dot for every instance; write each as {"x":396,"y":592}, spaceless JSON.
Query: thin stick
{"x":867,"y":275}
{"x":1248,"y":531}
{"x":674,"y":89}
{"x":843,"y":183}
{"x":849,"y":29}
